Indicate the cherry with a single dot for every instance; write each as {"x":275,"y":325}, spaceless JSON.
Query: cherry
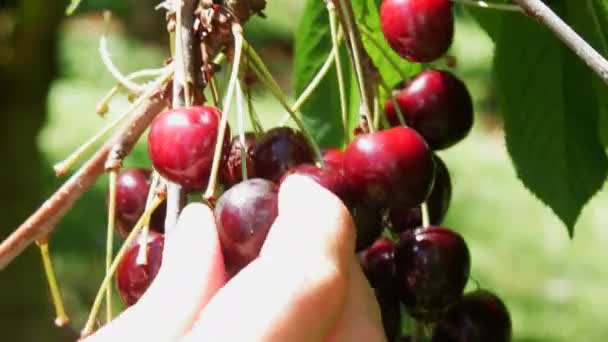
{"x":437,"y":105}
{"x":132,"y":280}
{"x":392,"y":168}
{"x":244,"y":215}
{"x":132,"y":190}
{"x":368,"y":221}
{"x":432,"y":267}
{"x":181,"y":144}
{"x":231,"y":172}
{"x":334,"y":158}
{"x":328,"y":177}
{"x":378,"y":263}
{"x":390,"y":310}
{"x":418,"y":30}
{"x":479,"y":316}
{"x":278,"y":151}
{"x":438,"y":203}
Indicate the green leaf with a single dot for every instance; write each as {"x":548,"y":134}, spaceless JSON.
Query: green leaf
{"x":72,"y":7}
{"x":391,"y":66}
{"x":321,"y":113}
{"x":551,"y":111}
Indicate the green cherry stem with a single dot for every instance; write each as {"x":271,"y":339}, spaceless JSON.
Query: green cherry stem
{"x":62,"y":318}
{"x":335,"y":40}
{"x":370,"y":36}
{"x":350,"y":30}
{"x":90,"y":324}
{"x":112,"y":185}
{"x":237,"y":32}
{"x":262,"y":71}
{"x":240,"y":123}
{"x":393,"y":102}
{"x":426,"y":221}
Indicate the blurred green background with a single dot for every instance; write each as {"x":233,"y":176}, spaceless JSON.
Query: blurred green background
{"x":555,"y":288}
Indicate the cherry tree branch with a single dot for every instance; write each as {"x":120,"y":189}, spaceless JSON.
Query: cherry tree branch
{"x":44,"y":220}
{"x":543,"y":14}
{"x":182,"y":81}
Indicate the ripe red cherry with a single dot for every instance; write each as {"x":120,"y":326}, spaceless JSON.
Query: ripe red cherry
{"x":231,"y":172}
{"x":278,"y":151}
{"x":328,"y":177}
{"x":378,"y":263}
{"x":479,"y":316}
{"x":392,"y":168}
{"x":432,"y":268}
{"x":368,"y":221}
{"x":132,"y":280}
{"x":244,"y":215}
{"x":182,"y":142}
{"x":418,"y":30}
{"x":132,"y":190}
{"x":437,"y":105}
{"x":334,"y":158}
{"x":438,"y":202}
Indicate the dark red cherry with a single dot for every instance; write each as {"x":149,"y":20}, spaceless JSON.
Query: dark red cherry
{"x":329,"y":178}
{"x":132,"y":280}
{"x":231,"y":172}
{"x":438,"y":203}
{"x":437,"y":105}
{"x":418,"y":30}
{"x":244,"y":215}
{"x":278,"y":151}
{"x":390,"y":310}
{"x":392,"y":168}
{"x":181,"y":144}
{"x":479,"y":316}
{"x":132,"y":190}
{"x":378,"y":263}
{"x":334,"y":158}
{"x":432,"y":268}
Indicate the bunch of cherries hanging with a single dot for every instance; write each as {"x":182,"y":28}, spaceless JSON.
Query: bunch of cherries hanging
{"x":396,"y":188}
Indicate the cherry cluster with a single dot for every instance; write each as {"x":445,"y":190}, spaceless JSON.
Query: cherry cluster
{"x":395,"y":186}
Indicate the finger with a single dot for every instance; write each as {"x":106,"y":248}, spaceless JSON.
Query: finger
{"x":191,"y":273}
{"x":361,"y":319}
{"x":295,"y":290}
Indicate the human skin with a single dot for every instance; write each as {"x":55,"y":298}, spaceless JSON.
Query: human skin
{"x":306,"y":285}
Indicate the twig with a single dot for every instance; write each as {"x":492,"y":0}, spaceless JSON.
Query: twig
{"x":543,"y":14}
{"x":43,"y":221}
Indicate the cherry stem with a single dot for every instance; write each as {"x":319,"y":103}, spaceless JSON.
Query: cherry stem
{"x":377,"y":112}
{"x":261,"y":70}
{"x":253,"y":116}
{"x":237,"y":32}
{"x":424,"y":209}
{"x":112,"y":185}
{"x":370,"y":36}
{"x":489,"y":5}
{"x":89,"y":326}
{"x":63,"y":167}
{"x":350,"y":30}
{"x":313,"y":85}
{"x":62,"y":318}
{"x":103,"y":105}
{"x":107,"y":61}
{"x":142,"y":255}
{"x":240,"y":123}
{"x":335,"y":40}
{"x":214,"y":93}
{"x":393,"y":102}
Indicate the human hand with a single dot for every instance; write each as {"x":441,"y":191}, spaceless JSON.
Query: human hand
{"x":306,"y":285}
